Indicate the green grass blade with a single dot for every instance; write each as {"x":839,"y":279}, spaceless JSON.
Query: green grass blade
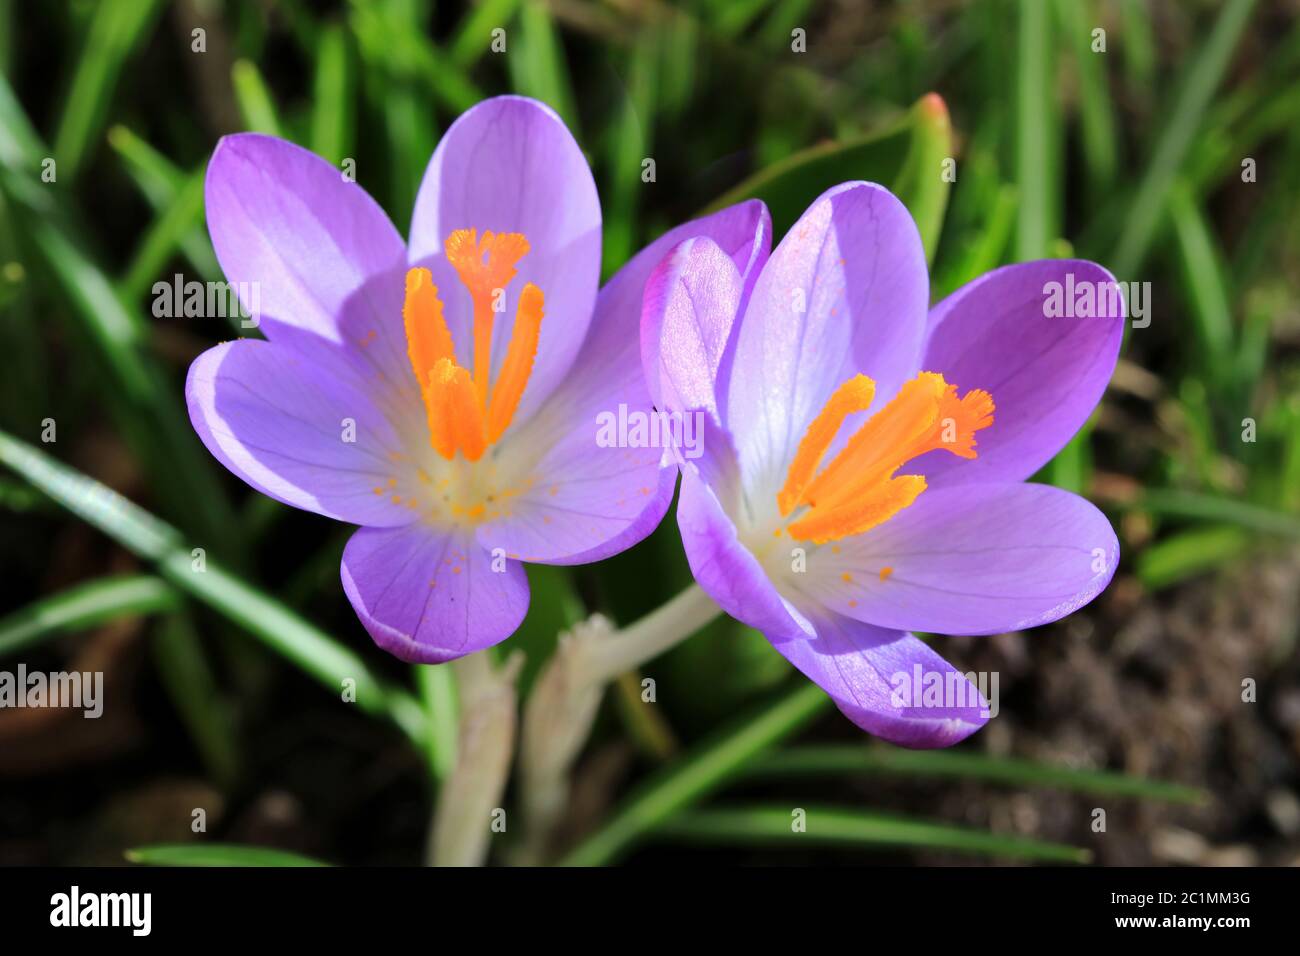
{"x":116,"y":29}
{"x":254,"y":99}
{"x":1097,"y":112}
{"x":905,"y":156}
{"x":1036,"y":124}
{"x":698,"y":773}
{"x":168,"y":233}
{"x":186,"y":675}
{"x":216,"y":854}
{"x":1201,"y":80}
{"x":85,"y":605}
{"x":537,"y":65}
{"x":473,"y":37}
{"x":437,"y":684}
{"x":261,"y":615}
{"x":1204,"y":507}
{"x":1187,"y":554}
{"x":841,"y":759}
{"x":331,"y":117}
{"x":1203,"y":281}
{"x":162,"y":182}
{"x":772,"y":826}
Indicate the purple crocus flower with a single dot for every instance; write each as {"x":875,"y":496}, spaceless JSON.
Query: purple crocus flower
{"x":441,"y":394}
{"x":863,"y":467}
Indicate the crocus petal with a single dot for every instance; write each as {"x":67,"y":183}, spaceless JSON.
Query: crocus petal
{"x":727,"y":570}
{"x":691,"y":301}
{"x":844,"y":292}
{"x":870,"y":671}
{"x":307,"y":248}
{"x":585,"y":497}
{"x":970,"y":559}
{"x":427,"y":596}
{"x":509,"y":164}
{"x":1046,"y":375}
{"x":301,"y":429}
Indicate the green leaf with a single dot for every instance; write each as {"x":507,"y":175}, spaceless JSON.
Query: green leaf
{"x":843,"y":759}
{"x":83,"y":606}
{"x":1204,"y":283}
{"x":331,"y":117}
{"x":117,"y":28}
{"x":698,"y":773}
{"x":473,"y":36}
{"x":1190,"y":553}
{"x":187,"y":676}
{"x":161,"y":183}
{"x":907,"y":157}
{"x":1097,"y":112}
{"x":254,"y":99}
{"x":537,"y":65}
{"x":1203,"y":507}
{"x":216,"y":854}
{"x":437,"y":685}
{"x":168,"y":233}
{"x":1036,"y":133}
{"x":261,"y":615}
{"x":839,"y":827}
{"x":1202,"y":78}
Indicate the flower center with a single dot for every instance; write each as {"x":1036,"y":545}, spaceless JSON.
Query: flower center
{"x":858,"y":489}
{"x":467,"y":413}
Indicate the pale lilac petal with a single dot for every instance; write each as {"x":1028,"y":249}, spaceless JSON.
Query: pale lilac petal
{"x":280,"y":420}
{"x":309,"y":248}
{"x":428,"y":596}
{"x":970,"y":559}
{"x":727,"y":570}
{"x":1046,"y":375}
{"x":691,"y":302}
{"x":582,"y":500}
{"x":509,"y":164}
{"x":845,"y":292}
{"x":870,"y":673}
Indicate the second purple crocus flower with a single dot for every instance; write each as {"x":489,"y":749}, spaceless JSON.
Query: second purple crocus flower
{"x":864,"y":457}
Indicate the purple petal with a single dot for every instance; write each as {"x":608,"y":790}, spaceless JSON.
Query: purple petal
{"x":971,"y":559}
{"x":316,"y":251}
{"x":1046,"y":375}
{"x":606,"y":499}
{"x":428,"y":596}
{"x":281,"y":420}
{"x":727,"y":570}
{"x":509,"y":164}
{"x":855,"y":264}
{"x":691,"y":301}
{"x":870,"y":673}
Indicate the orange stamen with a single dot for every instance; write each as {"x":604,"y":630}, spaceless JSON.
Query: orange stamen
{"x":451,"y":400}
{"x":518,"y":364}
{"x":486,"y":267}
{"x":855,"y":395}
{"x":460,"y":416}
{"x":858,"y":489}
{"x":427,"y":337}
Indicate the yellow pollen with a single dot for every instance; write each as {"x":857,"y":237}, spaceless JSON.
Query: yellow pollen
{"x":467,"y":413}
{"x":859,"y":489}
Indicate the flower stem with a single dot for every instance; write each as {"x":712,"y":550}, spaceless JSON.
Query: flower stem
{"x":562,"y":707}
{"x":469,"y":808}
